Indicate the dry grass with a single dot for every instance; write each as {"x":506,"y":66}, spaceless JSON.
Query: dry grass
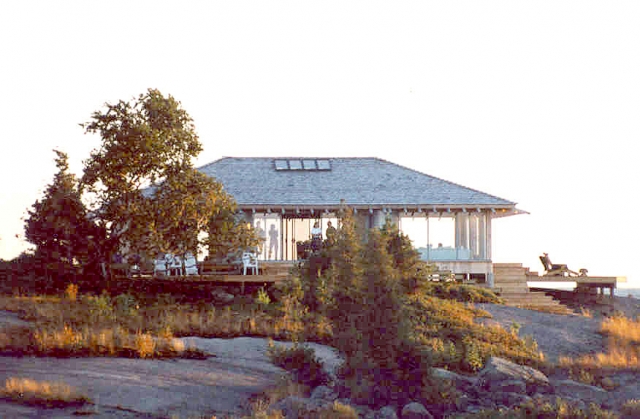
{"x":623,"y":346}
{"x":41,"y":393}
{"x":86,"y":325}
{"x":284,"y":388}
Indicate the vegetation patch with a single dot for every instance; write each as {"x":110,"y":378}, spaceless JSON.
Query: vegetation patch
{"x":558,"y":409}
{"x":41,"y":393}
{"x":460,"y":292}
{"x":301,"y":361}
{"x":447,"y":331}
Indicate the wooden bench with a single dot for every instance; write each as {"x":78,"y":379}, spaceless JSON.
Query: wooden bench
{"x":212,"y":267}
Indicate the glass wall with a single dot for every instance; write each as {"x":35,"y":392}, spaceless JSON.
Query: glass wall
{"x":269,"y":229}
{"x":454,"y":236}
{"x":280,"y":234}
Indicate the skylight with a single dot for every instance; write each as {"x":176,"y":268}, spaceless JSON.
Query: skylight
{"x":281,"y":165}
{"x":295,"y":165}
{"x":310,"y":165}
{"x":323,"y":165}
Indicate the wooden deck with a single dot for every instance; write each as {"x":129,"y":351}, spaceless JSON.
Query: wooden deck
{"x":595,"y":280}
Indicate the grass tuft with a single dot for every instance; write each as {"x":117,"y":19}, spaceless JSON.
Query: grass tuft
{"x":41,"y":393}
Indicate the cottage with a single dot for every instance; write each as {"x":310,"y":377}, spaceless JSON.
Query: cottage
{"x":449,"y":224}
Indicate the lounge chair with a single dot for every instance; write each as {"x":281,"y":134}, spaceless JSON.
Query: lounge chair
{"x":552,"y":269}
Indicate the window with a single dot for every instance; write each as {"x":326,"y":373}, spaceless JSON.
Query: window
{"x":295,"y":165}
{"x":309,"y":164}
{"x":281,"y":165}
{"x":302,"y":164}
{"x":323,"y":165}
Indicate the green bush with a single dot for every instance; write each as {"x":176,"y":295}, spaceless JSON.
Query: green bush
{"x":460,"y":292}
{"x":301,"y":361}
{"x":446,"y":330}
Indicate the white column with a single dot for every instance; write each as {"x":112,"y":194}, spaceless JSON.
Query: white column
{"x":462,"y":230}
{"x":473,"y":235}
{"x":488,"y":238}
{"x":482,"y":237}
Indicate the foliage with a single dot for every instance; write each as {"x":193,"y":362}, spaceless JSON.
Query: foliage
{"x":227,"y":234}
{"x":301,"y":361}
{"x":146,"y":193}
{"x":338,"y":411}
{"x":459,"y":292}
{"x":537,"y":408}
{"x":71,"y":292}
{"x":631,"y":409}
{"x":448,"y":334}
{"x":58,"y":226}
{"x":406,"y":260}
{"x":368,"y":318}
{"x":182,"y":208}
{"x":263,"y":299}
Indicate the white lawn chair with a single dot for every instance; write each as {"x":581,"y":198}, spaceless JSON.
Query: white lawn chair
{"x":249,"y":260}
{"x":175,"y":265}
{"x":190,"y":264}
{"x":159,"y":267}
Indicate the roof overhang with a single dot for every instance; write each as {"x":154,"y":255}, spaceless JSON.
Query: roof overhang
{"x":496,"y":211}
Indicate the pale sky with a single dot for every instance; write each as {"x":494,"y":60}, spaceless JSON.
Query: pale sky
{"x":535,"y":102}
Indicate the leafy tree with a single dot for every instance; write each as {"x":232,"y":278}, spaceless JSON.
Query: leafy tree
{"x":146,"y":193}
{"x":143,"y":141}
{"x":58,"y":225}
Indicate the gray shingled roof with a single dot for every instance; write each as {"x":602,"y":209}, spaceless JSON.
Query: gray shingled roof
{"x":359,"y":181}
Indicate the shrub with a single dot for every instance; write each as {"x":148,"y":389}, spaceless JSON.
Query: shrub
{"x":631,"y":409}
{"x":338,"y":411}
{"x":263,"y":299}
{"x":301,"y":361}
{"x":446,"y":330}
{"x":71,"y":292}
{"x":145,"y":345}
{"x":126,"y":305}
{"x":560,"y":409}
{"x":460,"y":292}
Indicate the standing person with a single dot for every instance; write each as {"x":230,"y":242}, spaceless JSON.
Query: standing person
{"x":273,"y":241}
{"x":316,"y":236}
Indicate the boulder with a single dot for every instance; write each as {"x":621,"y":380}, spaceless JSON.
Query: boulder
{"x":497,"y":371}
{"x":575,"y":390}
{"x":324,"y":393}
{"x":415,"y":410}
{"x":221,"y":297}
{"x":461,"y":382}
{"x":509,"y":386}
{"x":386,"y":412}
{"x":295,"y":407}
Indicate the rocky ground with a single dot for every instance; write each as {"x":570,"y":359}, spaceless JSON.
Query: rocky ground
{"x":221,"y":385}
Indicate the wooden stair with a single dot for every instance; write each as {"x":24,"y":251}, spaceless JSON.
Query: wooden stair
{"x":510,"y":282}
